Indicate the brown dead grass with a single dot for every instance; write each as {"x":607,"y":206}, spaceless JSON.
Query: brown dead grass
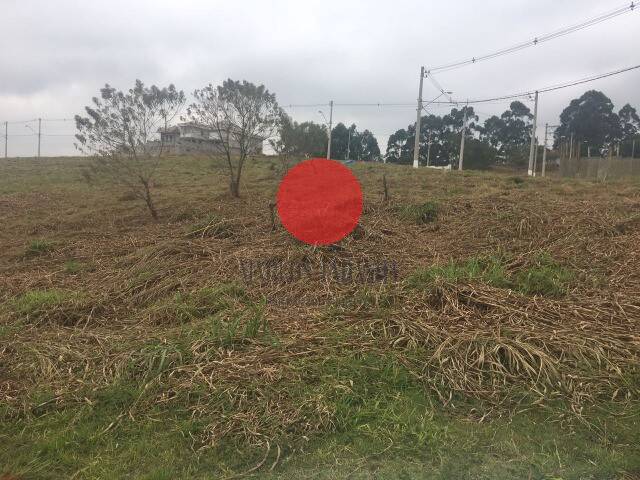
{"x":464,"y":339}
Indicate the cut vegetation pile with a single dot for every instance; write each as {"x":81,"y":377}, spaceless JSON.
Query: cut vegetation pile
{"x":460,"y":306}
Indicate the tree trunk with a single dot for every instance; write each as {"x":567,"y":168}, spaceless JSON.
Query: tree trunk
{"x":235,"y":179}
{"x":235,"y":188}
{"x":149,"y":201}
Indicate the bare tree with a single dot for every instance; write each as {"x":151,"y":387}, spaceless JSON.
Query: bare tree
{"x":241,"y":115}
{"x":121,"y":132}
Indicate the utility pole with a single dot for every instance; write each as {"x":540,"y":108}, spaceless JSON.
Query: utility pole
{"x":39,"y":134}
{"x":330,"y":126}
{"x":544,"y":151}
{"x":463,"y":134}
{"x":533,"y":134}
{"x":535,"y":160}
{"x":6,"y":138}
{"x":416,"y":145}
{"x":429,"y":149}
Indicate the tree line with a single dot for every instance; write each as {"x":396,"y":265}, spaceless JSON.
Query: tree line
{"x":310,"y":139}
{"x":590,"y":120}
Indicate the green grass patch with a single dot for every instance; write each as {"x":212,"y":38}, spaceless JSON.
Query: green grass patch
{"x":35,"y":302}
{"x":419,"y":213}
{"x":52,"y":305}
{"x":73,"y":267}
{"x":488,"y":270}
{"x":203,"y":302}
{"x":379,"y":422}
{"x":156,"y":357}
{"x":542,"y":276}
{"x":238,"y":327}
{"x":39,"y":247}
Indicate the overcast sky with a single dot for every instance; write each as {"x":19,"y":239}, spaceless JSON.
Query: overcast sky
{"x":55,"y":55}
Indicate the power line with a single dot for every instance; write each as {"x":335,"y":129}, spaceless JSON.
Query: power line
{"x":14,"y":122}
{"x":558,"y":86}
{"x":495,"y":99}
{"x":380,"y":104}
{"x":439,"y":87}
{"x":537,"y":40}
{"x":376,"y":104}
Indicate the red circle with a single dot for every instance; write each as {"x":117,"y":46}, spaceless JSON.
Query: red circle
{"x":319,"y":201}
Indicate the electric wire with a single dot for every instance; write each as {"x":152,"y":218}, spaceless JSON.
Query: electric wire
{"x":629,"y":7}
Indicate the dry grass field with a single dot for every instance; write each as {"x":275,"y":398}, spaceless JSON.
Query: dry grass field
{"x":473,"y":326}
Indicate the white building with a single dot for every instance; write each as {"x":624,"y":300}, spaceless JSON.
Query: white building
{"x":194,"y":138}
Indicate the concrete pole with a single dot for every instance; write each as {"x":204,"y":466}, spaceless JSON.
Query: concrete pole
{"x":416,"y":145}
{"x":533,"y":135}
{"x":544,"y":151}
{"x":429,"y":150}
{"x":330,"y":127}
{"x":6,"y":138}
{"x":535,"y":160}
{"x":39,"y":134}
{"x":462,"y":136}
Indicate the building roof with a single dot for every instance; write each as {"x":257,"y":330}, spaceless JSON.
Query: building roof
{"x":173,"y":129}
{"x":176,"y":128}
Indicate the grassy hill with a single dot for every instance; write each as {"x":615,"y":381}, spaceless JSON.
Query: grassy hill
{"x":475,"y":326}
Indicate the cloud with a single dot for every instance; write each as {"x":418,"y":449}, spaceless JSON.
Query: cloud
{"x":56,"y":55}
